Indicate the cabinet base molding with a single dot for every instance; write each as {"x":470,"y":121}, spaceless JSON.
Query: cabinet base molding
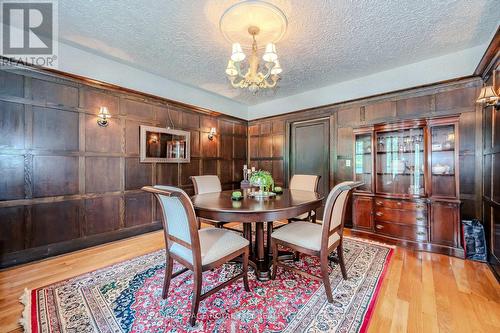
{"x":494,"y":265}
{"x":419,"y":246}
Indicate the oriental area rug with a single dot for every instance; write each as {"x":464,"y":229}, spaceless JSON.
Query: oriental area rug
{"x":126,"y":297}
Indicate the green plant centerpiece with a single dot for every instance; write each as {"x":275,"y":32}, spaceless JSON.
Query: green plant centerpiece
{"x":263,"y":180}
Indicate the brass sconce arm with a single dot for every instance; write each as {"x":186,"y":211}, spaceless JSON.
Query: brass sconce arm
{"x":212,"y":133}
{"x":103,"y":116}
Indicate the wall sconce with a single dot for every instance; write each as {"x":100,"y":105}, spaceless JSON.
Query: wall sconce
{"x":153,"y":138}
{"x":103,"y":116}
{"x":212,"y":133}
{"x":489,"y":96}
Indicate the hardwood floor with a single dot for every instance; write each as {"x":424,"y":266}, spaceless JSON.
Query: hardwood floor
{"x":422,"y":292}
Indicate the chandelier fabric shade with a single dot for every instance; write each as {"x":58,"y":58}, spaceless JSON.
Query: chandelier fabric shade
{"x":231,"y":68}
{"x":277,"y":68}
{"x":237,"y":54}
{"x":270,"y":54}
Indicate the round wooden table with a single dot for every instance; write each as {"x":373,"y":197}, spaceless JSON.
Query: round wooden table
{"x":220,"y":207}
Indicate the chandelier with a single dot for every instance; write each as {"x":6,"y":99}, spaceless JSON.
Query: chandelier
{"x":242,"y":24}
{"x":253,"y":79}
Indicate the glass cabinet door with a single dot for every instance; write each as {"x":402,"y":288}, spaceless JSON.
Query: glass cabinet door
{"x":400,"y":162}
{"x":443,"y":147}
{"x":363,"y":161}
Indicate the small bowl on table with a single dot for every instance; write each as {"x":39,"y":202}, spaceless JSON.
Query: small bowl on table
{"x":236,"y":196}
{"x":278,"y":190}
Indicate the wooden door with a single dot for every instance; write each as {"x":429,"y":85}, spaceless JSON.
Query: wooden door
{"x":309,"y":150}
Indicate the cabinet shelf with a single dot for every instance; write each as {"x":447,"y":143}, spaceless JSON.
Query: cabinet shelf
{"x":444,"y":150}
{"x":397,"y":174}
{"x":399,"y":152}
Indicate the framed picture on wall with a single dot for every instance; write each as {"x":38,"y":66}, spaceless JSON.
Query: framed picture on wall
{"x":162,"y":145}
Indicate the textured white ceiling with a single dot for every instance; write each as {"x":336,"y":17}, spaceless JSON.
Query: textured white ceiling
{"x":327,"y":42}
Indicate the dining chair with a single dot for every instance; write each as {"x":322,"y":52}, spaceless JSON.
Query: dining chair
{"x":207,"y":184}
{"x":305,"y":183}
{"x":196,"y":249}
{"x":317,"y":239}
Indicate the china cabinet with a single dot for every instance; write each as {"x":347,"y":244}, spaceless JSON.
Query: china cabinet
{"x":410,"y":192}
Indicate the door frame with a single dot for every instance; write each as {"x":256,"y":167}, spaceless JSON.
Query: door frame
{"x":331,"y":146}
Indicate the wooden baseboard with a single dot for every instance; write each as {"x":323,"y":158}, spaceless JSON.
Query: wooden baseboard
{"x":435,"y":248}
{"x":43,"y":252}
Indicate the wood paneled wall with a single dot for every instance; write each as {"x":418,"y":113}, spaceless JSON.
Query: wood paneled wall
{"x":66,"y":183}
{"x":491,"y":173}
{"x":266,"y":147}
{"x":269,"y":136}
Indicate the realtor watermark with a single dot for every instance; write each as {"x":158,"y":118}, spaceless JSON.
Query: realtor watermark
{"x":29,"y":32}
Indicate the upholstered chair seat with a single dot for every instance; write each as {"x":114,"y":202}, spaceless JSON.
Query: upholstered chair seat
{"x":214,"y":244}
{"x":306,"y":216}
{"x":197,"y":250}
{"x":304,"y":234}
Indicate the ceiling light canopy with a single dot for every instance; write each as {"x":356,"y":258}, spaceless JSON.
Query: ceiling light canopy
{"x":242,"y":24}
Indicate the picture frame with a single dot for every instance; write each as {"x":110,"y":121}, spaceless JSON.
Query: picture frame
{"x":164,"y":145}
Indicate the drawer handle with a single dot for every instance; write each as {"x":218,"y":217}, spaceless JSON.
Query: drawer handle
{"x":420,"y":207}
{"x":379,"y":203}
{"x":379,"y":213}
{"x":379,"y":227}
{"x":399,"y":203}
{"x":421,"y":233}
{"x":420,"y":219}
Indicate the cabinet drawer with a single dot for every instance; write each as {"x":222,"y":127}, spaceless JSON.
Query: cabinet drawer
{"x":417,"y":233}
{"x":400,"y":204}
{"x":411,"y":217}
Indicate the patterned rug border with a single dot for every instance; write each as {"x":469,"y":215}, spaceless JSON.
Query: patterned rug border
{"x":28,"y":297}
{"x":370,"y":241}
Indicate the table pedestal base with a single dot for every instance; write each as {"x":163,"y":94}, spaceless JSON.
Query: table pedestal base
{"x":261,"y":255}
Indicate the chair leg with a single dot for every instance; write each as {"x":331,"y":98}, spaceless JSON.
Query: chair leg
{"x":340,"y":254}
{"x":245,"y":270}
{"x":313,"y":218}
{"x":168,"y":277}
{"x":275,"y":260}
{"x":325,"y":276}
{"x":196,"y":296}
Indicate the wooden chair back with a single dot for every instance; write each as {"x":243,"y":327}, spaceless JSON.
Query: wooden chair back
{"x":334,"y":212}
{"x":206,"y":184}
{"x":179,"y":221}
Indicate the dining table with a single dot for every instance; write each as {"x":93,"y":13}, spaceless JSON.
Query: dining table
{"x":259,"y":211}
